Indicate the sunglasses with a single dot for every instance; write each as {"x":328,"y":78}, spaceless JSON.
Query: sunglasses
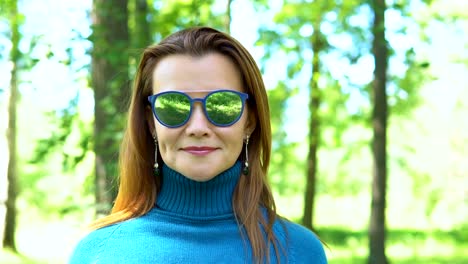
{"x":222,"y":108}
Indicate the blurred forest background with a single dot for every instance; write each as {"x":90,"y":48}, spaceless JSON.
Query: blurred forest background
{"x":369,"y":114}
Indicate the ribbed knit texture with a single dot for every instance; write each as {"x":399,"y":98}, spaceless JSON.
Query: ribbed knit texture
{"x":192,"y":222}
{"x":184,"y":196}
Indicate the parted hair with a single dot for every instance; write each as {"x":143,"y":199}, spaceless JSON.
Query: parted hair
{"x":252,"y":201}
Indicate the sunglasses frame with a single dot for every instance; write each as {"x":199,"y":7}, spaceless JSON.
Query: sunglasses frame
{"x":243,"y":97}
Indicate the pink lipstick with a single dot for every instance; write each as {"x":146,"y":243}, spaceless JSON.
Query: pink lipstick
{"x":199,"y":151}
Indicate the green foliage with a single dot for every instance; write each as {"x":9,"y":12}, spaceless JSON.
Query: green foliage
{"x":340,"y":110}
{"x":72,"y":138}
{"x":293,"y":35}
{"x":32,"y":176}
{"x":171,"y":16}
{"x":283,"y":160}
{"x":44,"y":182}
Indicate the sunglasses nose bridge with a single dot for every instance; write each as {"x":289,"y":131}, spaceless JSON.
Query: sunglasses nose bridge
{"x":198,"y":120}
{"x":199,"y":100}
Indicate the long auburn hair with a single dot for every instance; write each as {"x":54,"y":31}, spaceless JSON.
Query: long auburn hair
{"x":252,"y":201}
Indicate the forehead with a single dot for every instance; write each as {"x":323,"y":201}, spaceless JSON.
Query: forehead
{"x":187,"y":73}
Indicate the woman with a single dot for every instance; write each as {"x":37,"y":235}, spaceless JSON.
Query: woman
{"x":193,"y":164}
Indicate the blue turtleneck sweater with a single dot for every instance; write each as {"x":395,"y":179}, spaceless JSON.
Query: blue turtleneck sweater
{"x":192,"y":222}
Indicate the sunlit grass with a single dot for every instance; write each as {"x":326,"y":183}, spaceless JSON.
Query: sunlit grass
{"x":403,"y":246}
{"x":48,"y":242}
{"x":340,"y":225}
{"x":43,"y":240}
{"x":9,"y":257}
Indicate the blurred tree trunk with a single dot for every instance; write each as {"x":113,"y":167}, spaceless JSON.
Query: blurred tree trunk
{"x":314,"y":129}
{"x":227,"y":22}
{"x":139,"y":30}
{"x":379,"y":124}
{"x":307,"y":15}
{"x":11,"y":213}
{"x":110,"y":82}
{"x":142,"y":35}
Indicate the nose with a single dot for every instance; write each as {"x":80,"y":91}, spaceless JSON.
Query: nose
{"x":198,"y":125}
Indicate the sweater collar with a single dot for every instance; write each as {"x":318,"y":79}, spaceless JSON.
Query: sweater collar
{"x":183,"y":196}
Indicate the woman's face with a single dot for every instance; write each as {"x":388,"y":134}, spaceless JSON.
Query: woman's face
{"x":199,"y":149}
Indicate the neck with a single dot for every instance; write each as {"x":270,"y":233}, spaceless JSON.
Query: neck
{"x":181,"y":195}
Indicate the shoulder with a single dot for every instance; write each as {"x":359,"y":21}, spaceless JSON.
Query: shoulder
{"x":302,"y":245}
{"x":88,"y":248}
{"x":108,"y":241}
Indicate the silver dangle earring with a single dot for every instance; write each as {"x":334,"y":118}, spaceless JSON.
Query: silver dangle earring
{"x":156,"y":165}
{"x":245,"y":170}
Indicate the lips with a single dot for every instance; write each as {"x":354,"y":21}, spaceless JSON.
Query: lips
{"x":199,"y":151}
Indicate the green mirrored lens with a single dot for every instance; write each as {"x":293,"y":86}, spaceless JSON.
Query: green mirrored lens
{"x":172,"y":109}
{"x":223,"y":107}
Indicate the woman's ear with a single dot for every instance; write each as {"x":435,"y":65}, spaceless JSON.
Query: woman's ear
{"x":150,"y":120}
{"x":250,"y":124}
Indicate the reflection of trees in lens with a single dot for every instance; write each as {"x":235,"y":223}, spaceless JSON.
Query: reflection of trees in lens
{"x":172,"y":108}
{"x":223,"y":107}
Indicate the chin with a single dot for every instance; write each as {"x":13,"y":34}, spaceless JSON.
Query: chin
{"x":201,"y":173}
{"x":200,"y":177}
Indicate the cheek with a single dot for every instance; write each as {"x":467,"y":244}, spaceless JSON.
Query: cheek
{"x":236,"y":137}
{"x":166,"y":137}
